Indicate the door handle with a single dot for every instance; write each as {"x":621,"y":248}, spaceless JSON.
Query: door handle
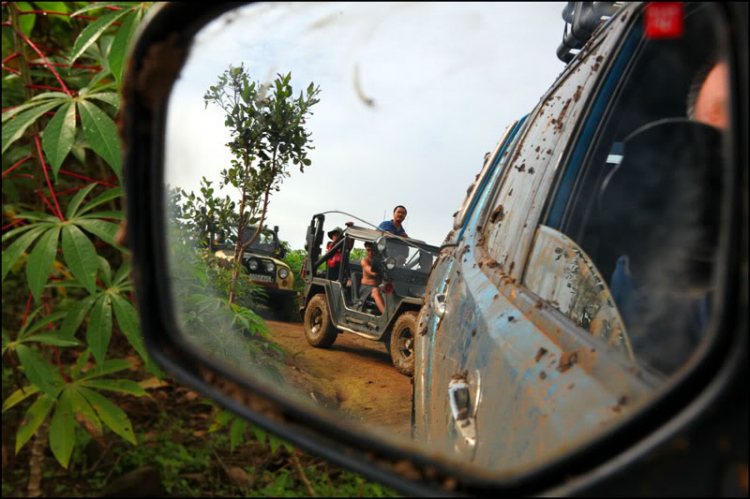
{"x":438,"y":305}
{"x":459,"y":397}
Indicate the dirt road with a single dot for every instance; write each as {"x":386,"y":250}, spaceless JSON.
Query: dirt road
{"x":354,"y":375}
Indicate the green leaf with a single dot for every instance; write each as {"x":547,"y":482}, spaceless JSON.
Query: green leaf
{"x":260,"y":435}
{"x":14,"y":129}
{"x":50,"y":95}
{"x":236,"y":432}
{"x":99,"y":329}
{"x":83,"y":411}
{"x":106,"y":231}
{"x":100,"y":5}
{"x":16,"y":249}
{"x":34,"y":417}
{"x":80,"y":362}
{"x":110,"y":414}
{"x":39,"y":371}
{"x":110,"y":98}
{"x":62,"y":430}
{"x":76,"y":201}
{"x":101,"y":132}
{"x":75,"y":316}
{"x":122,"y":42}
{"x":107,"y":367}
{"x":54,"y":317}
{"x":221,"y":420}
{"x":59,"y":135}
{"x":106,"y":271}
{"x":80,"y":255}
{"x":19,"y":396}
{"x":35,"y":215}
{"x":92,"y":32}
{"x":116,"y":385}
{"x":41,"y":260}
{"x":105,"y":196}
{"x":14,"y":111}
{"x":26,"y":21}
{"x":19,"y":230}
{"x":274,"y":442}
{"x":127,"y":318}
{"x":117,"y":215}
{"x":54,"y":339}
{"x":122,"y":273}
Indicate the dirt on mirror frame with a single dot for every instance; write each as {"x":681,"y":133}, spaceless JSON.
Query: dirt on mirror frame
{"x":354,"y":376}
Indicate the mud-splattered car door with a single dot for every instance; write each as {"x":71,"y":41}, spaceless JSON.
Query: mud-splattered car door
{"x":502,"y":378}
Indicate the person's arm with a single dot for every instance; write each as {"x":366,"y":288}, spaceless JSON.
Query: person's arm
{"x":367,"y":269}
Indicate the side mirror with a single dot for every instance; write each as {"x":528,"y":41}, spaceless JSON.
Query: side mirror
{"x":463,"y":64}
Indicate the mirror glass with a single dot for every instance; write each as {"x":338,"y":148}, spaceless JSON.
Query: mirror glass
{"x":316,"y":156}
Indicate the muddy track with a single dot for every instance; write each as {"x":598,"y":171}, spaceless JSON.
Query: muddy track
{"x":354,"y":376}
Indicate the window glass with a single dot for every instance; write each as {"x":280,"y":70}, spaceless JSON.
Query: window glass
{"x":643,"y":204}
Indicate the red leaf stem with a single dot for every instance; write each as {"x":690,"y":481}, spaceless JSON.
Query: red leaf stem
{"x":59,"y":364}
{"x":31,"y":44}
{"x":7,"y":23}
{"x":46,"y":175}
{"x":100,"y":243}
{"x":62,"y":64}
{"x":44,"y":87}
{"x":26,"y":313}
{"x":16,"y":222}
{"x":74,"y":189}
{"x":11,"y":57}
{"x":11,"y":70}
{"x":22,"y":175}
{"x":53,"y":13}
{"x":82,"y":177}
{"x":46,"y":201}
{"x":22,"y":161}
{"x":112,"y":7}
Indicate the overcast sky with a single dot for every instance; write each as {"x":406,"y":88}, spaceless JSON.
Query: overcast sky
{"x":446,"y":79}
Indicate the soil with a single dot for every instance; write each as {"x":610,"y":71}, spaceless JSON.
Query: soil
{"x":354,"y":376}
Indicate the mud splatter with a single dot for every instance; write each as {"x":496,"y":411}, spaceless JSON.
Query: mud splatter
{"x":567,"y":360}
{"x":542,"y":351}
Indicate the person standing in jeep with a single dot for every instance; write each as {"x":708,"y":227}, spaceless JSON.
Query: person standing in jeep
{"x":394,"y":226}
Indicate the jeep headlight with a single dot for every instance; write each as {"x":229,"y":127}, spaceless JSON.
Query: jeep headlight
{"x":283,"y":273}
{"x":381,"y":244}
{"x":253,"y":265}
{"x":390,"y":264}
{"x":270,"y":267}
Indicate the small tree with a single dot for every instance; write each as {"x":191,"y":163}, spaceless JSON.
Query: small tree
{"x":268,"y":134}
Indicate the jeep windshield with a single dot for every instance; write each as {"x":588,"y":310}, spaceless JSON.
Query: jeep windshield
{"x":265,"y":243}
{"x":401,"y":253}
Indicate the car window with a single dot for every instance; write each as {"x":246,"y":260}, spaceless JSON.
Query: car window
{"x":639,"y":197}
{"x":490,"y":162}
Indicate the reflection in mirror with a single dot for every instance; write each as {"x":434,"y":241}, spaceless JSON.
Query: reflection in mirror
{"x":316,"y":154}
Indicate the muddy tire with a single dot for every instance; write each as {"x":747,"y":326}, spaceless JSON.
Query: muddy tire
{"x":285,"y":308}
{"x":319,"y":329}
{"x":402,"y":343}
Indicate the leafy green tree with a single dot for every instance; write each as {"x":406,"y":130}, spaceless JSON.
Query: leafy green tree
{"x":268,"y":135}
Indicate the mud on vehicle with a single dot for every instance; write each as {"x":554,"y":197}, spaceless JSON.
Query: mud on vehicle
{"x":263,"y":261}
{"x":332,"y":302}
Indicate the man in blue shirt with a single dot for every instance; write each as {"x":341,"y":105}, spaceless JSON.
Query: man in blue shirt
{"x":394,"y":226}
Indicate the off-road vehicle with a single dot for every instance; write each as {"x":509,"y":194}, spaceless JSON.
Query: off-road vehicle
{"x":264,"y":263}
{"x":332,"y":302}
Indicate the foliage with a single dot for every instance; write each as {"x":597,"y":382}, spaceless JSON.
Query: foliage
{"x":267,"y":134}
{"x":62,"y":71}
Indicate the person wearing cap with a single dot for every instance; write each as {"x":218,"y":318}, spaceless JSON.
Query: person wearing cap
{"x":334,"y":263}
{"x":370,"y":278}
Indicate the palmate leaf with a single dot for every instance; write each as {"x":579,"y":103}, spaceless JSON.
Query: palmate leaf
{"x":114,"y":193}
{"x":19,"y":396}
{"x":75,"y":316}
{"x":106,"y":231}
{"x":14,"y":129}
{"x":39,"y":371}
{"x":110,"y":414}
{"x":110,"y":98}
{"x":84,"y":413}
{"x":127,"y":318}
{"x":62,"y":435}
{"x":107,"y":367}
{"x":59,"y":135}
{"x":80,"y":255}
{"x":101,"y":133}
{"x":41,"y":260}
{"x":28,"y":328}
{"x":116,"y":385}
{"x":236,"y":432}
{"x":93,"y":31}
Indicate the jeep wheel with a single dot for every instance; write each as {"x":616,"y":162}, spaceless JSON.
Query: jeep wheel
{"x":402,"y":343}
{"x":319,"y":329}
{"x":285,"y":308}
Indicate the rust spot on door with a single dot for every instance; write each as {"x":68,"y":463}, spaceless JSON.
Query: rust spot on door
{"x":540,"y":354}
{"x":567,"y":360}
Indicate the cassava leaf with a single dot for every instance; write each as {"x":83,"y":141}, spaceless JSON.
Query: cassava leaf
{"x":41,"y":260}
{"x":59,"y":135}
{"x":80,"y":255}
{"x":101,"y":133}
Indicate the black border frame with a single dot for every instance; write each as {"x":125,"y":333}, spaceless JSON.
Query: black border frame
{"x":675,"y":411}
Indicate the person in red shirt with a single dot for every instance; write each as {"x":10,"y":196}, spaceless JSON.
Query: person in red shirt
{"x":334,"y":263}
